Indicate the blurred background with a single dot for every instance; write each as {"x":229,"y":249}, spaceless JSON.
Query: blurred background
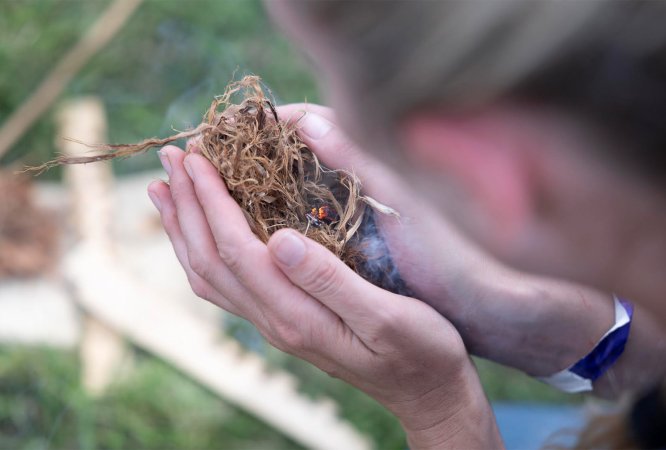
{"x":102,"y":345}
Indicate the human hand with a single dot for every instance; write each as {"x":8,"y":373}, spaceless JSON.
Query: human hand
{"x":507,"y":316}
{"x":308,"y":303}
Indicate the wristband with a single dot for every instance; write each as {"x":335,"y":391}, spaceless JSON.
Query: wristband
{"x":579,"y":377}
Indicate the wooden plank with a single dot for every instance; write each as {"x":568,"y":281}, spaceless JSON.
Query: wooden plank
{"x":173,"y":333}
{"x":102,"y":349}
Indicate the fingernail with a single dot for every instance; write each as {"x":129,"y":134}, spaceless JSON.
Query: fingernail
{"x":290,"y":249}
{"x":193,"y":147}
{"x":315,"y":126}
{"x":164,"y":159}
{"x":155,"y":200}
{"x":188,"y":168}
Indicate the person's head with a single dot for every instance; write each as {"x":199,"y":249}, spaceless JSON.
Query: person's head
{"x":549,"y":116}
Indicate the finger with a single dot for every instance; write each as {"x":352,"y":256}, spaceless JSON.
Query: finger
{"x":294,"y":112}
{"x":317,"y":127}
{"x":238,"y":247}
{"x":161,"y":197}
{"x":319,"y":273}
{"x":226,"y":253}
{"x":233,"y":239}
{"x":300,"y":341}
{"x":293,"y":316}
{"x":201,"y":249}
{"x":337,"y":151}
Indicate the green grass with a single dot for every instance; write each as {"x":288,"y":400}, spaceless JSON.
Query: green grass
{"x":42,"y":405}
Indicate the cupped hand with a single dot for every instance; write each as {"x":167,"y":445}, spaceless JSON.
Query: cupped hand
{"x":435,"y":260}
{"x":439,"y":265}
{"x":510,"y":317}
{"x":308,"y":303}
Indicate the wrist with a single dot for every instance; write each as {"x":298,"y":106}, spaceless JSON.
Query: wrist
{"x":457,"y":416}
{"x":519,"y":320}
{"x":560,"y":323}
{"x":579,"y":377}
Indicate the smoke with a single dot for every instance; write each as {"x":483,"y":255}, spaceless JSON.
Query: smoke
{"x":377,"y":265}
{"x":187,"y":110}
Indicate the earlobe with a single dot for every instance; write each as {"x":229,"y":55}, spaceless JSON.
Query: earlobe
{"x":487,"y":160}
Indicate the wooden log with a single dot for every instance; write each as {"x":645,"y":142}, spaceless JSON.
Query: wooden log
{"x":168,"y":330}
{"x":102,"y":349}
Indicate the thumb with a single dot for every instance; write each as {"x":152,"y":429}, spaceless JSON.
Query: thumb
{"x":319,"y":273}
{"x":337,"y":151}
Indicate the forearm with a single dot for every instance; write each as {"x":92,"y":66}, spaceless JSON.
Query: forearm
{"x":542,"y":326}
{"x":539,"y":325}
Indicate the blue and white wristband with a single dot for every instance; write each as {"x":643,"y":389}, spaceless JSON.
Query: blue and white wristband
{"x":580,"y":376}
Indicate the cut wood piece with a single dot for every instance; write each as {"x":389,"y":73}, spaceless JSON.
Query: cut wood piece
{"x":103,"y":353}
{"x":83,"y":119}
{"x":90,"y":186}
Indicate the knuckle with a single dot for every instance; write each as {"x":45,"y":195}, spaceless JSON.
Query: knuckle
{"x":179,"y":194}
{"x":230,"y":256}
{"x":199,"y":288}
{"x":233,"y":254}
{"x":289,"y":338}
{"x":333,"y":373}
{"x":199,"y":264}
{"x":324,"y":280}
{"x":273,"y":340}
{"x":237,"y":254}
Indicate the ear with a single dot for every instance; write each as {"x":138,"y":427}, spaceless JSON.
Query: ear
{"x":489,"y":157}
